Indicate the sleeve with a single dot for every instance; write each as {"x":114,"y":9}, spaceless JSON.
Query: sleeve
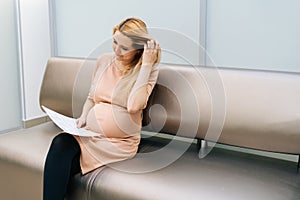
{"x":99,"y":64}
{"x":146,"y":77}
{"x":152,"y":81}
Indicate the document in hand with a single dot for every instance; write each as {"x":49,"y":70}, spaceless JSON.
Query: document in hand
{"x":67,"y":124}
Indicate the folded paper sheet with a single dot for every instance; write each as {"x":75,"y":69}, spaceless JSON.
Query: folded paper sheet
{"x":67,"y":124}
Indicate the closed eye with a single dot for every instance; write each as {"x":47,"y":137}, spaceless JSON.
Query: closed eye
{"x":123,"y":47}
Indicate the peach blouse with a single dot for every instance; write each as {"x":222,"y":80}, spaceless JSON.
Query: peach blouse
{"x":119,"y":130}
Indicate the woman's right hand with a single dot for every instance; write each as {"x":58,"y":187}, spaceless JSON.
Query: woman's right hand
{"x":81,"y":122}
{"x":151,"y":49}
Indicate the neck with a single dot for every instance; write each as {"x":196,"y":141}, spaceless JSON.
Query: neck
{"x":119,"y":65}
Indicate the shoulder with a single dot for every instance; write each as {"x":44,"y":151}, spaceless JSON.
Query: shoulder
{"x":104,"y":59}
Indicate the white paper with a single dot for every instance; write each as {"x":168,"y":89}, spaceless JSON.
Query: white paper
{"x":67,"y":124}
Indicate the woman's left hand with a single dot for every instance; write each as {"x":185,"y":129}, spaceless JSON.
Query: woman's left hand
{"x":150,"y":52}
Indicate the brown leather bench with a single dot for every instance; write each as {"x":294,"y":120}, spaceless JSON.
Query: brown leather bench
{"x":245,"y":108}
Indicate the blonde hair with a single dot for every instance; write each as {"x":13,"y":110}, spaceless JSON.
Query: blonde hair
{"x":136,"y":30}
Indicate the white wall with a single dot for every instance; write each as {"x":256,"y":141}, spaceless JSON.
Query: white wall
{"x":35,"y":43}
{"x":10,"y":105}
{"x":84,"y":26}
{"x":257,"y":34}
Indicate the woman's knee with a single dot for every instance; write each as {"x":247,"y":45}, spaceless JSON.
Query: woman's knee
{"x":64,"y":142}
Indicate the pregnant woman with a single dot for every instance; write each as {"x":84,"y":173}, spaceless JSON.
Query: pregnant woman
{"x":122,"y":82}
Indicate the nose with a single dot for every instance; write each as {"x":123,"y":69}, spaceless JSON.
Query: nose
{"x":118,"y":50}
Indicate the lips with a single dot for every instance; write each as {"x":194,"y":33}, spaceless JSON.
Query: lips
{"x":119,"y":57}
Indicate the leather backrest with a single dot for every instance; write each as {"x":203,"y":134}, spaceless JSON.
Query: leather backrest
{"x":249,"y":108}
{"x":66,"y":84}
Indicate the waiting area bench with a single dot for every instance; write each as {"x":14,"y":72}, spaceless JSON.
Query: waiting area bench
{"x":189,"y":105}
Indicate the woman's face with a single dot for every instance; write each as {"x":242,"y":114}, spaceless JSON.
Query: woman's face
{"x":122,"y":46}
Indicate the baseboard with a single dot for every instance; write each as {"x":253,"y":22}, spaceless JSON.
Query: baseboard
{"x":35,"y":122}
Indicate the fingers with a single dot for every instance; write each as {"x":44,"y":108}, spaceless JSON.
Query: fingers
{"x":151,"y":49}
{"x":80,"y":123}
{"x":151,"y":44}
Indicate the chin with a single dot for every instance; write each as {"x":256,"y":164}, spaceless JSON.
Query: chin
{"x":123,"y":59}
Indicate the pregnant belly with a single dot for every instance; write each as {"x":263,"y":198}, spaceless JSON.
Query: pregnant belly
{"x":113,"y":121}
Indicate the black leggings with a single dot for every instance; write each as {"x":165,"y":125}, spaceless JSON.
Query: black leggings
{"x":62,"y":163}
